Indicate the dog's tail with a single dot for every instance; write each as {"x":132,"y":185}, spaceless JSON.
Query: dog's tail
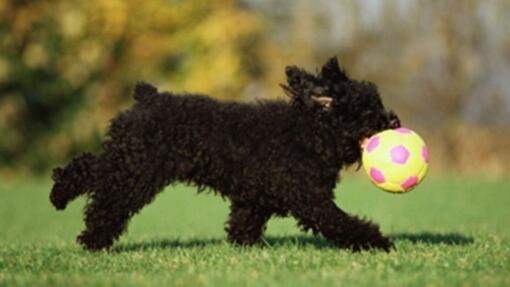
{"x":144,"y":91}
{"x":78,"y":177}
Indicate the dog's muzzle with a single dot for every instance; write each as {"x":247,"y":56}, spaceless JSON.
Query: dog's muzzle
{"x":393,"y":120}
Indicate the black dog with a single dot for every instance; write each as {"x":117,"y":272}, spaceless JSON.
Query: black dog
{"x":268,"y":158}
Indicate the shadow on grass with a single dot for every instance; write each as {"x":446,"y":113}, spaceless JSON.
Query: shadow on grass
{"x":434,"y":238}
{"x":167,"y":244}
{"x":269,"y":241}
{"x":295,"y":240}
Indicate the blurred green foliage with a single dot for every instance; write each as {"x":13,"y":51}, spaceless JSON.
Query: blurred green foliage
{"x":67,"y":66}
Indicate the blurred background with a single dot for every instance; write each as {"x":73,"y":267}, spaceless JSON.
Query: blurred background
{"x":68,"y":66}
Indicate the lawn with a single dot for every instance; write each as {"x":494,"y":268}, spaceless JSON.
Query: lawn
{"x":447,"y":233}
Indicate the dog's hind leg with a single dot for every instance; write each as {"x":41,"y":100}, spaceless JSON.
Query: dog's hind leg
{"x":338,"y":227}
{"x":111,"y":207}
{"x":75,"y":179}
{"x":246,"y":223}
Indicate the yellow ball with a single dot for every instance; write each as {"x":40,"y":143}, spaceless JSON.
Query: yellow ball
{"x":395,"y":160}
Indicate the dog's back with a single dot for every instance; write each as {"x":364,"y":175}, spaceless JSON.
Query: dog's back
{"x":212,"y":143}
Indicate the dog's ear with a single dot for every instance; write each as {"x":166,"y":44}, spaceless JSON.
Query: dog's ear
{"x":302,"y":87}
{"x":300,"y":80}
{"x":310,"y":90}
{"x":332,"y":72}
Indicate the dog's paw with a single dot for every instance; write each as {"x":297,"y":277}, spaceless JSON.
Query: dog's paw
{"x":94,"y":242}
{"x":366,"y":237}
{"x":376,"y":241}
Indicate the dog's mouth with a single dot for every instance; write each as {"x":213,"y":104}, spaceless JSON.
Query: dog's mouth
{"x":391,"y":121}
{"x":366,"y":135}
{"x":363,"y":142}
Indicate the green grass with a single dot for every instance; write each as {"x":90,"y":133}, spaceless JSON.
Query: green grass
{"x":447,"y":233}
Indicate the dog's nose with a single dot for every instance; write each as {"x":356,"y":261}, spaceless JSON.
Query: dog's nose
{"x":393,"y":120}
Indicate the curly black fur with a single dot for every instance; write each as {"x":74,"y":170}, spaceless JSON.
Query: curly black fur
{"x":268,"y":158}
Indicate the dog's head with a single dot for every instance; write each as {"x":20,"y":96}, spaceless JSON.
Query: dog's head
{"x":353,"y":107}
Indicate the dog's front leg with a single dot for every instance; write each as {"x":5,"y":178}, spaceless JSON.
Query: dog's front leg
{"x":246,"y":223}
{"x":340,"y":228}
